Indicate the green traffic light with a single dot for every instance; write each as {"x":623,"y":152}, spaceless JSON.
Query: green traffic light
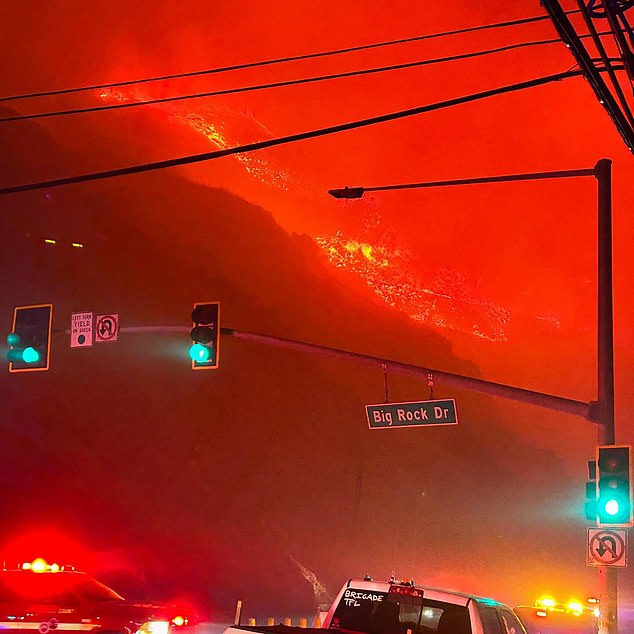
{"x":612,"y":507}
{"x":30,"y":355}
{"x":199,"y":353}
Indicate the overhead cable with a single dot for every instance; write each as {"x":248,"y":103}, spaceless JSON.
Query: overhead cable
{"x":302,"y":136}
{"x":278,"y":60}
{"x":279,"y":84}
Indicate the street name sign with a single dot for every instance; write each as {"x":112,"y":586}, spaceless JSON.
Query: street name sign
{"x":607,"y":547}
{"x":413,"y":414}
{"x":80,"y":330}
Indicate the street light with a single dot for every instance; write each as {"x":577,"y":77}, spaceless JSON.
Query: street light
{"x":601,"y":411}
{"x":347,"y":192}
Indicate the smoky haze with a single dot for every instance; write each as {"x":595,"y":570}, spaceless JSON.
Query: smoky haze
{"x":227,"y":478}
{"x":237,"y":483}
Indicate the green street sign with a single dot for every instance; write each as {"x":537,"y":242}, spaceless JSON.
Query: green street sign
{"x":415,"y":414}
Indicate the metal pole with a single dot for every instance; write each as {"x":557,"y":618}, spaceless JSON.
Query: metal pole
{"x":558,"y":403}
{"x":608,"y":587}
{"x":602,"y":410}
{"x":589,"y":411}
{"x":238,"y":616}
{"x":605,"y":337}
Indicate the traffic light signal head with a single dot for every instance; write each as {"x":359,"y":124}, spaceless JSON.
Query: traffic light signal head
{"x":590,"y":506}
{"x":614,"y":486}
{"x":30,"y":339}
{"x":205,"y":335}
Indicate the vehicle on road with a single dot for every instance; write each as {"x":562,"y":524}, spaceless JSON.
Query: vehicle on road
{"x":557,"y":620}
{"x":41,"y":598}
{"x":374,"y":607}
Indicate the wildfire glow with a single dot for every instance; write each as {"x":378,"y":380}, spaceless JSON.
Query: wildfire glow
{"x":221,"y":126}
{"x":213,"y":124}
{"x":449,"y":301}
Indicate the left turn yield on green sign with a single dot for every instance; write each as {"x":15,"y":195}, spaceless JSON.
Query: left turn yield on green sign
{"x":81,"y":330}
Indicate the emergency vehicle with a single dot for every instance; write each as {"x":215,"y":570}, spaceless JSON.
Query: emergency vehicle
{"x":43,"y":598}
{"x":547,"y":616}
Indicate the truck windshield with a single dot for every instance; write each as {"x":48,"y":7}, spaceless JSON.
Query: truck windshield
{"x":372,"y":613}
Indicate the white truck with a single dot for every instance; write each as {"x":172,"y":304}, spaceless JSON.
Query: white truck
{"x":366,"y":606}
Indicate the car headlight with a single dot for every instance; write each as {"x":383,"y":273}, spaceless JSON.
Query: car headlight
{"x":154,"y":627}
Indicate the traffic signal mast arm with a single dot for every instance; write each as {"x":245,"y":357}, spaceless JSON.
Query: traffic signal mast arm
{"x":557,"y":403}
{"x":569,"y":406}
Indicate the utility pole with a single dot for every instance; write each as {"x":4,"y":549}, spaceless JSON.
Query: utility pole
{"x":601,"y":411}
{"x":608,"y":585}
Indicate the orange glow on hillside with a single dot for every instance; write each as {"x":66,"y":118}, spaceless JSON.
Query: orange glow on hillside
{"x":448,"y":301}
{"x":223,"y":128}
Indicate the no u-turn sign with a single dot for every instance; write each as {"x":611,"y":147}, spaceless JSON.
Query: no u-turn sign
{"x":607,"y":547}
{"x":107,"y":328}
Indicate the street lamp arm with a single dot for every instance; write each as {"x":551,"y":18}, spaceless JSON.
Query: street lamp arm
{"x":357,"y":192}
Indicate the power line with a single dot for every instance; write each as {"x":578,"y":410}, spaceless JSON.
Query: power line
{"x":302,"y":136}
{"x":279,"y":60}
{"x":279,"y":84}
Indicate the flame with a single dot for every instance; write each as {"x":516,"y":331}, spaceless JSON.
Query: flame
{"x":449,"y":301}
{"x":217,"y":124}
{"x":213,"y":125}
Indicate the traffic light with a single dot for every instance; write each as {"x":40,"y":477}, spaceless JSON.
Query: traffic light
{"x":205,"y":335}
{"x":590,"y":506}
{"x":614,"y":486}
{"x":30,"y":338}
